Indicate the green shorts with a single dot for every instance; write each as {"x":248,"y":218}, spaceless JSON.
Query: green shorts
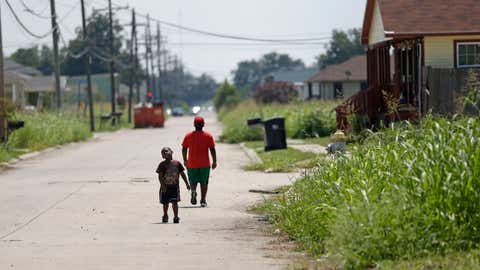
{"x":199,"y":175}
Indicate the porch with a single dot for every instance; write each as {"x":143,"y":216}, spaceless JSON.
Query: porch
{"x":395,"y":83}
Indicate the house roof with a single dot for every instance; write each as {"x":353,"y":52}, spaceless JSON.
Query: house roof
{"x":354,"y":69}
{"x":294,"y":76}
{"x":13,"y":66}
{"x":426,"y":17}
{"x":44,"y":84}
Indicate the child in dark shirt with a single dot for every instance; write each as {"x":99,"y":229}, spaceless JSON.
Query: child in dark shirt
{"x":169,"y":172}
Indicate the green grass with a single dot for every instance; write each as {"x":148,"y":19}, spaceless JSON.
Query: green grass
{"x":302,"y":120}
{"x":286,"y":160}
{"x":43,"y":130}
{"x":405,"y":194}
{"x":323,"y":141}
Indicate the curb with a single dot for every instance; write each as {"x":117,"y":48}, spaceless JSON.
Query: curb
{"x":252,"y":155}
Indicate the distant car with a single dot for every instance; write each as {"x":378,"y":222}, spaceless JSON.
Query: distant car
{"x":178,"y":111}
{"x":196,"y":110}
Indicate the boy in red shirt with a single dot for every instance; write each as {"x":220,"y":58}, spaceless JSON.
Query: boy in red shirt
{"x":196,"y":145}
{"x":169,"y":172}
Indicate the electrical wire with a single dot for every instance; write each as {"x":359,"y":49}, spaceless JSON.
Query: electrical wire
{"x":221,"y":35}
{"x":33,"y":12}
{"x":31,"y":33}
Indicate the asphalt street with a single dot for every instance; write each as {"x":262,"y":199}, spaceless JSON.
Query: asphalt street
{"x":94,"y":205}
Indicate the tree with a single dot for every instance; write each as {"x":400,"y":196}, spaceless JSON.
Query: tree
{"x":249,"y":74}
{"x":98,"y":39}
{"x":27,"y":56}
{"x":33,"y":57}
{"x":343,"y":46}
{"x":226,"y":96}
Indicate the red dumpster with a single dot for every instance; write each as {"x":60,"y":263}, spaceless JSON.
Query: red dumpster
{"x":157,"y":117}
{"x":147,"y":116}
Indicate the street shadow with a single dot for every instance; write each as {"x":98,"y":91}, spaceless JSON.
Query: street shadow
{"x":191,"y":206}
{"x":161,"y":223}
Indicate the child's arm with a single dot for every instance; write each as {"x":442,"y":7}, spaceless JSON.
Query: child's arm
{"x":184,"y":176}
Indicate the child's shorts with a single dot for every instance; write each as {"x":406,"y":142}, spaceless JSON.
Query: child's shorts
{"x":171,"y":195}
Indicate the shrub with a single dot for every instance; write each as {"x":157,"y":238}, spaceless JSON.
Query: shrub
{"x":226,"y":96}
{"x":302,"y":119}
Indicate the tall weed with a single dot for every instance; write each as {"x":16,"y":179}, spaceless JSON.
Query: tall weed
{"x":404,"y":193}
{"x":302,"y":120}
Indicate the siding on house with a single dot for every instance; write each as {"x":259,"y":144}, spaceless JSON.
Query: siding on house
{"x":351,"y":88}
{"x":377,"y":30}
{"x":439,"y":51}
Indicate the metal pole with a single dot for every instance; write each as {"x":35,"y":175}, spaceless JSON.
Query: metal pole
{"x":3,"y":128}
{"x":112,"y":64}
{"x":88,"y":61}
{"x":132,"y":69}
{"x":55,"y":54}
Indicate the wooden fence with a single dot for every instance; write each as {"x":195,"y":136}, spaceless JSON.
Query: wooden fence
{"x":445,"y":89}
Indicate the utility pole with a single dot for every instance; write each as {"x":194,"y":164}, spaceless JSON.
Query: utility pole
{"x":132,"y":68}
{"x":159,"y":62}
{"x":88,"y":61}
{"x":136,"y":62}
{"x":147,"y":58}
{"x":55,"y":54}
{"x":112,"y":63}
{"x":152,"y":64}
{"x":3,"y":113}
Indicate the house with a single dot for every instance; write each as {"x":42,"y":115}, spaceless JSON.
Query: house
{"x":297,"y":78}
{"x":40,"y":88}
{"x":339,"y":81}
{"x":13,"y":66}
{"x":15,"y":85}
{"x":409,"y":43}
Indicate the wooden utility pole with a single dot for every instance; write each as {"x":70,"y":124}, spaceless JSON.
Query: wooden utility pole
{"x":147,"y":58}
{"x":138,"y":83}
{"x":112,"y":63}
{"x":132,"y":67}
{"x":3,"y":109}
{"x":152,"y":64}
{"x":159,"y":62}
{"x":88,"y":61}
{"x":55,"y":54}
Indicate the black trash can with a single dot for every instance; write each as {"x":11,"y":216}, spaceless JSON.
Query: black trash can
{"x":275,"y":135}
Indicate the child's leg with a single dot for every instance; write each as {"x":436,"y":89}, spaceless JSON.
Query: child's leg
{"x":165,"y":209}
{"x":175,"y":208}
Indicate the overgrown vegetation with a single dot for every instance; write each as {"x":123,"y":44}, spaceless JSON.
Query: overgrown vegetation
{"x":286,"y":160}
{"x":303,"y":120}
{"x":405,"y":193}
{"x":43,"y":130}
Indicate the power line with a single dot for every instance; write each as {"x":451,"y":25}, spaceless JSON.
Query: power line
{"x":33,"y":12}
{"x":227,"y":36}
{"x":31,"y":33}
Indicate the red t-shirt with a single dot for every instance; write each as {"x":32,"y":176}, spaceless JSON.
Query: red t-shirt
{"x":198,"y":144}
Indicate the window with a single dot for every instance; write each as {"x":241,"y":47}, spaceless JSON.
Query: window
{"x":468,"y":54}
{"x":338,"y":89}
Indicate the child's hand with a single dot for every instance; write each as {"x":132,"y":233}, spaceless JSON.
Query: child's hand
{"x":163,"y":188}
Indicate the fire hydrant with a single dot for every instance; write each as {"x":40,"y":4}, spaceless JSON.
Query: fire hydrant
{"x":338,"y":144}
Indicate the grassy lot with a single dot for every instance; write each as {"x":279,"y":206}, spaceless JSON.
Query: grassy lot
{"x":287,"y":160}
{"x":405,"y":195}
{"x":303,"y":120}
{"x":43,"y":130}
{"x":47,"y":129}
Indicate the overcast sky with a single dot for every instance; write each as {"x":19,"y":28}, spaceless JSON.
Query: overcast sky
{"x":272,"y":19}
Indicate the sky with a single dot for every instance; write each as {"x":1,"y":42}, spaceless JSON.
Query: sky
{"x":265,"y":19}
